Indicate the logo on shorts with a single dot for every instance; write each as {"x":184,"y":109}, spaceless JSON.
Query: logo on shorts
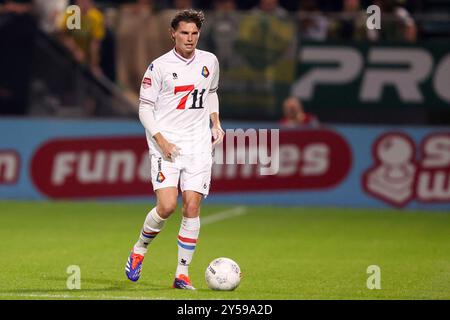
{"x":205,"y":72}
{"x":146,"y":83}
{"x":160,"y":177}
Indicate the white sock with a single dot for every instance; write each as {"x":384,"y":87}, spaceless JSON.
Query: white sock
{"x":187,"y":241}
{"x":152,"y":226}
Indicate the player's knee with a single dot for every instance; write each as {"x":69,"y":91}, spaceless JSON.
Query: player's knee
{"x":191,"y":209}
{"x":165,"y":209}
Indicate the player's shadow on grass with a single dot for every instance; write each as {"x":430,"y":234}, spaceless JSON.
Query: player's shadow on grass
{"x":111,"y":285}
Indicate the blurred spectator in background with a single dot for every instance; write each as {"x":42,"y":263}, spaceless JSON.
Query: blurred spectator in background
{"x":351,"y":25}
{"x":220,"y":32}
{"x":396,"y":24}
{"x":16,"y":6}
{"x":271,"y":7}
{"x":265,"y":48}
{"x":313,"y":25}
{"x":108,"y":45}
{"x":294,"y":115}
{"x":330,"y":5}
{"x":139,"y":40}
{"x":50,"y":14}
{"x":225,"y":6}
{"x":265,"y":35}
{"x":84,"y":43}
{"x":17,"y":32}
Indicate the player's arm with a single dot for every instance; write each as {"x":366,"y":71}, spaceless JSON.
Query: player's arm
{"x":213,"y":105}
{"x":147,"y":118}
{"x":212,"y":101}
{"x":150,"y":89}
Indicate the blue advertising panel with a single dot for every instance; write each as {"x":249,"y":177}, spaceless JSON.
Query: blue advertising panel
{"x":347,"y":166}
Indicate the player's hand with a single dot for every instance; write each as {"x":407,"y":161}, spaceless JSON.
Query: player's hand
{"x":217,"y":134}
{"x":170,"y":151}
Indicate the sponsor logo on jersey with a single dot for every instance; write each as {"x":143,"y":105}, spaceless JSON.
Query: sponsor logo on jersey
{"x":146,"y":83}
{"x":205,"y":72}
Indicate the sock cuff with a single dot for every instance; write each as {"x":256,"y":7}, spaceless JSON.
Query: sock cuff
{"x":190,"y":223}
{"x":155,"y":216}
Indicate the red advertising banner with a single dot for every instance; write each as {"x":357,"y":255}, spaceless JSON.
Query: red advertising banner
{"x":92,"y":167}
{"x":120,"y":166}
{"x":310,"y":159}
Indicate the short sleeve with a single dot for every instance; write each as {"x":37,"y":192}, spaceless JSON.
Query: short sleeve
{"x":151,"y":84}
{"x":215,"y":80}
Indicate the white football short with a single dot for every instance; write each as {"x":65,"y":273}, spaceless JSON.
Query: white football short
{"x":191,"y":171}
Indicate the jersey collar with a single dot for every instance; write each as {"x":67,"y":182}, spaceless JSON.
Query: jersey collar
{"x":187,"y":61}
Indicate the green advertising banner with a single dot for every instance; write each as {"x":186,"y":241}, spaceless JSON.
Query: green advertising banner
{"x":373,"y":75}
{"x":264,"y":60}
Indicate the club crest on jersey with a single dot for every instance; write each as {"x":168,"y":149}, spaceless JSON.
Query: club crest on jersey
{"x":205,"y":72}
{"x":146,"y":83}
{"x":175,"y":76}
{"x":160,"y":177}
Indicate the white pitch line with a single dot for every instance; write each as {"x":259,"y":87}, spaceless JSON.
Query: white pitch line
{"x":227,"y":214}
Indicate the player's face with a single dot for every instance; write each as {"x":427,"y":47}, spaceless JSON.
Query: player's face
{"x":186,"y":38}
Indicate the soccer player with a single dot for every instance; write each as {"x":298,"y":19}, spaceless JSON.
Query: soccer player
{"x":178,"y":104}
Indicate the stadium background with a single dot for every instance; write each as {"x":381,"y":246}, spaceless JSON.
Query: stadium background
{"x":375,"y":158}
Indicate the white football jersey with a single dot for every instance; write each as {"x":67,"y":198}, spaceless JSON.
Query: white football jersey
{"x":178,"y":88}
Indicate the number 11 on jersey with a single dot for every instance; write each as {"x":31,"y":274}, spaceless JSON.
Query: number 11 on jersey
{"x":189,"y":89}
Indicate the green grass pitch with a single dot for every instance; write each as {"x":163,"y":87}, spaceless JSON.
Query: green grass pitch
{"x":284,"y":253}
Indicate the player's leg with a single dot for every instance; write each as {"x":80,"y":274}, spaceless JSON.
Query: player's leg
{"x":165,"y":177}
{"x":188,"y":236}
{"x":166,"y":203}
{"x":194,"y":181}
{"x":153,"y":224}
